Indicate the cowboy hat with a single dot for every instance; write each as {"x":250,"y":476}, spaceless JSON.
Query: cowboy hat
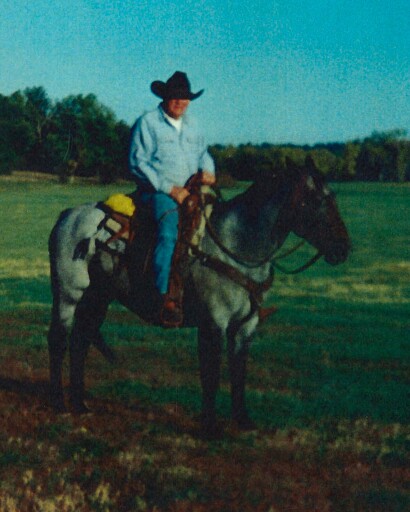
{"x":176,"y":87}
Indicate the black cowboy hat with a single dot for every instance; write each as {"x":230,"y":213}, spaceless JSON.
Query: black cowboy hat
{"x":176,"y":87}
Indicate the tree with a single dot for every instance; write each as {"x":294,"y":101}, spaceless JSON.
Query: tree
{"x":349,"y":162}
{"x":16,"y":134}
{"x":386,"y":136}
{"x":371,"y":162}
{"x":384,"y":157}
{"x":38,"y":109}
{"x":87,"y":132}
{"x":326,"y":162}
{"x":38,"y":112}
{"x":248,"y":162}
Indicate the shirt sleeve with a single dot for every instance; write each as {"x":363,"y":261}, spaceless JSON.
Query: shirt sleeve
{"x":206,"y":162}
{"x":142,"y":147}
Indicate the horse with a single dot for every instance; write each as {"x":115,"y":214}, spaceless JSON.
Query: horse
{"x":226,"y":278}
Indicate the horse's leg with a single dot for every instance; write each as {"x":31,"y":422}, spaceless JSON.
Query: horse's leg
{"x":90,"y":314}
{"x":61,"y":322}
{"x":209,"y":351}
{"x":238,"y":349}
{"x":78,"y":352}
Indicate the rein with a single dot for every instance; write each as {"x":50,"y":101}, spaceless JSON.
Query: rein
{"x":303,"y":267}
{"x":231,"y":254}
{"x":254,"y":288}
{"x":257,"y":263}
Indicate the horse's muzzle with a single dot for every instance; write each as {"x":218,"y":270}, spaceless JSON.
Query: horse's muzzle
{"x":338,"y":252}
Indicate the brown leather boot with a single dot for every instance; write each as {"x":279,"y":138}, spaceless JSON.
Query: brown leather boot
{"x":171,"y":314}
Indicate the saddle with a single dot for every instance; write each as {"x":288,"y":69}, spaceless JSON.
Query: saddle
{"x":127,"y":221}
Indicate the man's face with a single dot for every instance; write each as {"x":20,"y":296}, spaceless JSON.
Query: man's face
{"x":176,"y":108}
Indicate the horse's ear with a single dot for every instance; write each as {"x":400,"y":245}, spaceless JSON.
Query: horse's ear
{"x":310,"y":164}
{"x":291,"y":164}
{"x":293,"y":169}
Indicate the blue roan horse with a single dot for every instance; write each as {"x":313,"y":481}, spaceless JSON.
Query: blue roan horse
{"x":242,"y":237}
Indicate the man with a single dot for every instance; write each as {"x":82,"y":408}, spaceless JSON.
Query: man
{"x":166,"y":150}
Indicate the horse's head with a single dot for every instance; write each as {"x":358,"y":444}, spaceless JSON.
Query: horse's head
{"x":314,"y":214}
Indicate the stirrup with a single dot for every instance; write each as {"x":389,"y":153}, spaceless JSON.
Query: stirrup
{"x":264,"y":313}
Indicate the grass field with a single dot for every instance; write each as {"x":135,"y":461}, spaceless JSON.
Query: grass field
{"x":327,"y":384}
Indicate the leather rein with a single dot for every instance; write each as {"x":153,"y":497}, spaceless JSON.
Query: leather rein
{"x":254,"y":288}
{"x":257,"y":263}
{"x":270,"y":258}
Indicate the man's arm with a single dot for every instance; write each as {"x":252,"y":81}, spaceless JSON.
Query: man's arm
{"x":207,"y":166}
{"x":142,"y":149}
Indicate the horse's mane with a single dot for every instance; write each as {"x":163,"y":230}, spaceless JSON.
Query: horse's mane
{"x":271,"y":185}
{"x":267,"y":187}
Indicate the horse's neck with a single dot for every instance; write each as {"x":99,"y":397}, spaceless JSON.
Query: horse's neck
{"x":250,"y":223}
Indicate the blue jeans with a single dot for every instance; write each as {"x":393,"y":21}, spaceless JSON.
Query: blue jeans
{"x":166,"y":215}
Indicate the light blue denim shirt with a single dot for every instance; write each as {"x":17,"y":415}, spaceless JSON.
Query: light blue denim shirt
{"x":163,"y":156}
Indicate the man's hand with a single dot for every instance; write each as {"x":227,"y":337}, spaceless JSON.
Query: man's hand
{"x":207,"y":178}
{"x":179,"y":194}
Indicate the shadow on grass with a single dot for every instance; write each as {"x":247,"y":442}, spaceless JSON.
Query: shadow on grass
{"x":39,"y":389}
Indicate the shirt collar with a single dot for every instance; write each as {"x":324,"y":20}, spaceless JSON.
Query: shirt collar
{"x":176,"y":123}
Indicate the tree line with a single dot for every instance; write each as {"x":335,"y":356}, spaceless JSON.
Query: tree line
{"x":74,"y":136}
{"x":79,"y":136}
{"x":383,"y":156}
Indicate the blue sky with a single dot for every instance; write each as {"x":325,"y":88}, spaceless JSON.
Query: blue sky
{"x":273,"y":71}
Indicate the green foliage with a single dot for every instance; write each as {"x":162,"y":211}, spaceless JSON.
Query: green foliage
{"x":327,"y":162}
{"x":79,"y":136}
{"x":87,"y":133}
{"x":383,"y":157}
{"x":349,"y":161}
{"x":16,"y":133}
{"x":247,"y":162}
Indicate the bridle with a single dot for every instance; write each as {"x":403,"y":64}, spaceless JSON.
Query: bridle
{"x":254,"y":288}
{"x":270,"y":258}
{"x":302,"y":268}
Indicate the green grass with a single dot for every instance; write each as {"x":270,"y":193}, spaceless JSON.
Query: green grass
{"x":339,"y":335}
{"x":327,"y":382}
